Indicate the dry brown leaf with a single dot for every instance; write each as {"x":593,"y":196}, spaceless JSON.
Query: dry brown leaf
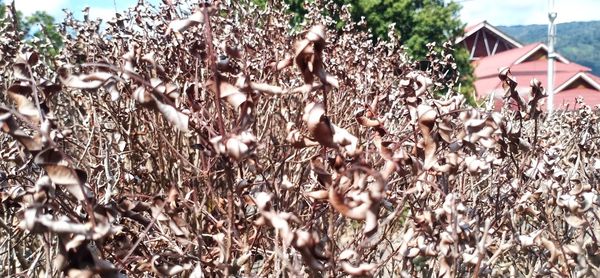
{"x":18,"y":93}
{"x":316,"y":33}
{"x":286,"y":62}
{"x":33,"y":144}
{"x":111,"y":87}
{"x":62,"y":173}
{"x":326,"y":133}
{"x":531,"y":239}
{"x":178,"y":119}
{"x":367,"y":122}
{"x":236,"y":146}
{"x":266,"y":88}
{"x":181,"y":25}
{"x":304,"y":89}
{"x":318,"y":124}
{"x":363,"y":269}
{"x":575,"y":221}
{"x":232,"y":94}
{"x":317,"y":195}
{"x":297,"y":140}
{"x":426,"y":119}
{"x":20,"y":68}
{"x":166,"y":269}
{"x":84,"y":81}
{"x":142,"y":96}
{"x":71,"y":179}
{"x":554,"y":252}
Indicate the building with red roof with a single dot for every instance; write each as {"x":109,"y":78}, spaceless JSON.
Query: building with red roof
{"x":490,"y":50}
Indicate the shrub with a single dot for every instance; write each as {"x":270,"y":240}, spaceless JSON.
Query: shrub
{"x":218,"y":142}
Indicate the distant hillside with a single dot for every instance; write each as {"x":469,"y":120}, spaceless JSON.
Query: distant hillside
{"x":577,"y":41}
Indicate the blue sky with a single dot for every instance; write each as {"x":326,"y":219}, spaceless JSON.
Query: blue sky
{"x":522,"y":12}
{"x":98,"y":8}
{"x":497,"y":12}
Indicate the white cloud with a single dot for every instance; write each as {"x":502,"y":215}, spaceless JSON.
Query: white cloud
{"x":521,"y":12}
{"x":52,"y":7}
{"x":581,"y":10}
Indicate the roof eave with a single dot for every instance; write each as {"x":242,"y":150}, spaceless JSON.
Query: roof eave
{"x":561,"y":58}
{"x":582,"y":75}
{"x":485,"y":24}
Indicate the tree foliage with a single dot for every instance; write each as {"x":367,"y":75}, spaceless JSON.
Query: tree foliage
{"x":39,"y":29}
{"x":416,"y":22}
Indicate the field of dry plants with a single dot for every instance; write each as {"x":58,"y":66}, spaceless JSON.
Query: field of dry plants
{"x":214,"y":140}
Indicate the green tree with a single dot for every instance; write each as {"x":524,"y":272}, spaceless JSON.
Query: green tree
{"x":418,"y":22}
{"x":3,"y":14}
{"x":39,"y":29}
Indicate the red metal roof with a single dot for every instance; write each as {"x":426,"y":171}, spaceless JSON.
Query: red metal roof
{"x":567,"y":99}
{"x":542,"y":66}
{"x":472,"y":26}
{"x":564,"y":99}
{"x":525,"y":72}
{"x":595,"y":78}
{"x":490,"y":65}
{"x":570,"y":80}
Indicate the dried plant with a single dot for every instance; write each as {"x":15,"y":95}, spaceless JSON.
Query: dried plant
{"x":213,"y":140}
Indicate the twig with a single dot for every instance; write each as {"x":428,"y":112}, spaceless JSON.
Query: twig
{"x":145,"y":232}
{"x":212,"y":62}
{"x":481,"y":247}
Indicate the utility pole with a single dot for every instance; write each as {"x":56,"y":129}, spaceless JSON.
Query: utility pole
{"x":551,"y":55}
